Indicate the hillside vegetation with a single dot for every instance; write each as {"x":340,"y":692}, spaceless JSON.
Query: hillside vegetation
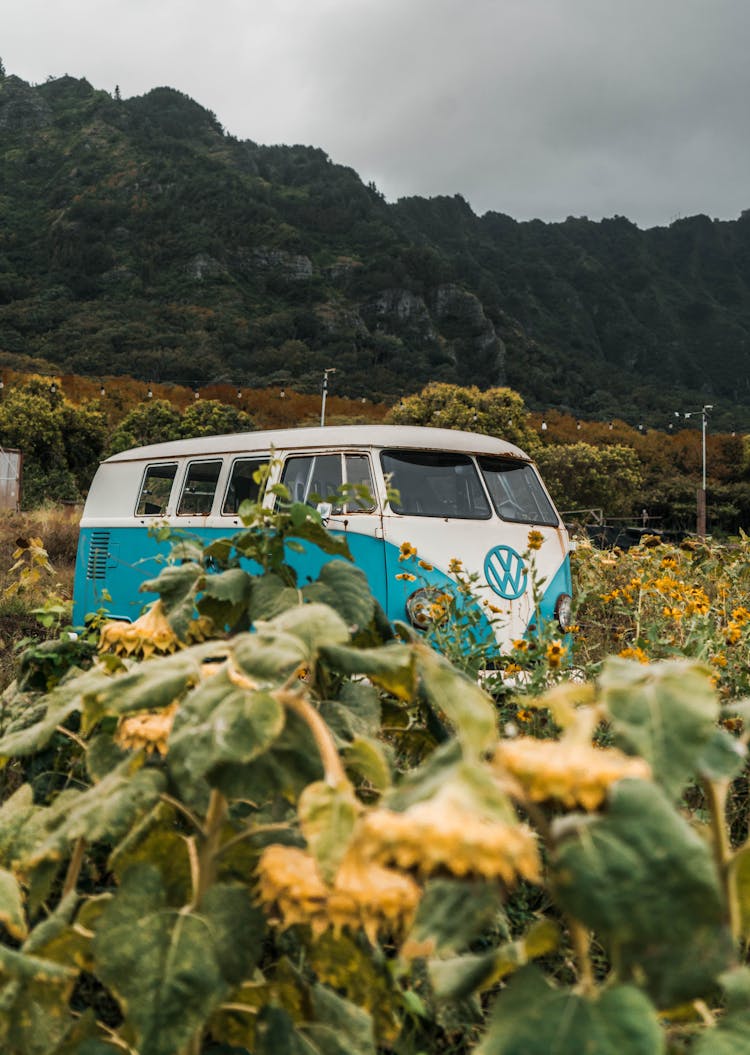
{"x":138,"y":237}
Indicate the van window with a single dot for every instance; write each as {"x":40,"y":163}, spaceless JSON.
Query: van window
{"x":242,"y":487}
{"x":199,"y":489}
{"x":435,"y":484}
{"x":155,"y":490}
{"x":313,"y":478}
{"x":516,"y":492}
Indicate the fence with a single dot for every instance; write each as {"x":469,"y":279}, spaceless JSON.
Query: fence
{"x":11,"y":469}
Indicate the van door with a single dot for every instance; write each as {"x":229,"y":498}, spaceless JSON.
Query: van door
{"x":443,"y":512}
{"x":315,"y":479}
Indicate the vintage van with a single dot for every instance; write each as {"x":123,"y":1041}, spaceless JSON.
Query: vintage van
{"x":461,"y":497}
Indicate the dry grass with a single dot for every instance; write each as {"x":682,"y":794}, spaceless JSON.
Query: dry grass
{"x":57,"y":526}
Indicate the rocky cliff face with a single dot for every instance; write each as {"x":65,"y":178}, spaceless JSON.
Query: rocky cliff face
{"x":21,"y":108}
{"x":450,"y":323}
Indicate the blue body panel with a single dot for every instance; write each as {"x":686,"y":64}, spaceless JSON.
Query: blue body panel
{"x":113,"y":562}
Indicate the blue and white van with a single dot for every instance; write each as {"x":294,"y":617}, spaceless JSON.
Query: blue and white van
{"x":461,"y":498}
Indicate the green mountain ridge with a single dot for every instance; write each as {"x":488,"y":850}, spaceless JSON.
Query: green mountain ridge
{"x":138,"y":237}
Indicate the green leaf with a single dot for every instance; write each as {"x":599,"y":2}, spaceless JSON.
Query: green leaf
{"x":237,"y":927}
{"x":290,"y":764}
{"x":723,"y":757}
{"x":276,"y":1033}
{"x":25,"y":737}
{"x":270,"y":596}
{"x":220,"y":722}
{"x":162,"y":964}
{"x":356,"y":712}
{"x":392,"y":666}
{"x":343,"y":964}
{"x":460,"y":976}
{"x":731,"y":1035}
{"x":225,"y":597}
{"x":34,"y":997}
{"x":268,"y":656}
{"x":149,"y":686}
{"x":341,"y":1028}
{"x":17,"y":814}
{"x":156,"y":840}
{"x":466,"y":706}
{"x":532,"y":1018}
{"x":344,"y":587}
{"x":103,"y":755}
{"x":315,"y":625}
{"x":55,"y":939}
{"x":313,"y":531}
{"x":327,"y":817}
{"x":177,"y":586}
{"x":366,"y":757}
{"x":452,"y":913}
{"x":644,"y":880}
{"x":741,"y":874}
{"x":105,"y":811}
{"x":665,"y":712}
{"x":12,"y":914}
{"x":446,"y":775}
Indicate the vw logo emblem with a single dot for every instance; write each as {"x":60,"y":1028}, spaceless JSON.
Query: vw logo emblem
{"x":505,"y":572}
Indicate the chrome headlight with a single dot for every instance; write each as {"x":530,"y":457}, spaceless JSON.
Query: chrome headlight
{"x":427,"y":607}
{"x":564,"y":611}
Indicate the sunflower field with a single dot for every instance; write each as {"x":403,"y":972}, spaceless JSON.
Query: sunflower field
{"x":262,"y":820}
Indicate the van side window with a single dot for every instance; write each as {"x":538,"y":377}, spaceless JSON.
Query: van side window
{"x":358,"y":474}
{"x":435,"y":484}
{"x":308,"y":475}
{"x":199,"y":489}
{"x":315,"y":478}
{"x":242,"y":487}
{"x":155,"y":490}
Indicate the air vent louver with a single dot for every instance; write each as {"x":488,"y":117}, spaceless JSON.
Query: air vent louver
{"x":98,"y":554}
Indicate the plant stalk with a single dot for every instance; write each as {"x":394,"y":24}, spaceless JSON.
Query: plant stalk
{"x":581,"y":939}
{"x":716,"y":793}
{"x":329,"y":756}
{"x":74,"y":866}
{"x":209,"y":845}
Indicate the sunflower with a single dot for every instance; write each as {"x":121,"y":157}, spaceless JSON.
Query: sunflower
{"x":555,"y":652}
{"x":571,"y":773}
{"x":362,"y":895}
{"x":439,"y":835}
{"x":407,"y":551}
{"x":149,"y":634}
{"x":535,"y":539}
{"x":149,"y":731}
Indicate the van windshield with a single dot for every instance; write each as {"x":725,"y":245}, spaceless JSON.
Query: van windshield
{"x":435,"y":484}
{"x":516,"y":492}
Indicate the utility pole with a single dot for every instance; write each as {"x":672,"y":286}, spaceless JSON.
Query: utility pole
{"x":330,"y":370}
{"x":701,"y":497}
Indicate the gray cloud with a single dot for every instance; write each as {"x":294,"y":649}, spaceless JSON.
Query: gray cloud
{"x":535,"y":108}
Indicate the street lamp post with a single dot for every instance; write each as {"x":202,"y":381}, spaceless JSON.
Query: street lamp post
{"x":330,"y":370}
{"x":701,"y":502}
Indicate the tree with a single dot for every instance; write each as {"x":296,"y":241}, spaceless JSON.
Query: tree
{"x":151,"y":422}
{"x":158,"y":420}
{"x":580,"y":476}
{"x":210,"y":417}
{"x":61,"y":442}
{"x":497,"y":412}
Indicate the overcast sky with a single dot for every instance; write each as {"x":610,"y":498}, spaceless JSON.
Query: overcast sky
{"x":534,"y":108}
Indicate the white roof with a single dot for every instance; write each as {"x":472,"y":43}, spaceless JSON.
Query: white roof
{"x":357,"y":436}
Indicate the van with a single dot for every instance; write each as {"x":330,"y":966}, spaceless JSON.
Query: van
{"x":442,"y":503}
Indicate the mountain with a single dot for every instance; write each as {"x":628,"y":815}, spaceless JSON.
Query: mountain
{"x":137,"y":236}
